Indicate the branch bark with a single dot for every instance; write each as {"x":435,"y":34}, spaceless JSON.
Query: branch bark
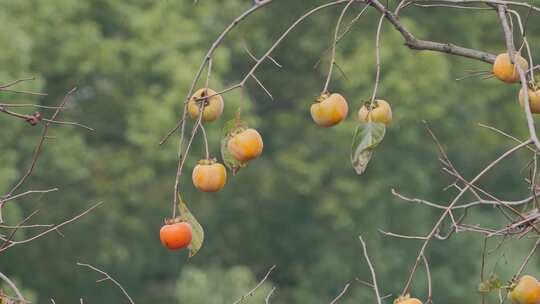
{"x":417,"y":44}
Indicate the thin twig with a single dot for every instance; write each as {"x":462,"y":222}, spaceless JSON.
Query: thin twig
{"x":171,"y":132}
{"x":13,"y":197}
{"x":262,"y":86}
{"x":267,"y":299}
{"x":13,"y":287}
{"x":336,"y":299}
{"x":39,"y":146}
{"x":428,"y":274}
{"x":372,"y":270}
{"x":348,"y":28}
{"x":70,"y":123}
{"x":108,"y":277}
{"x":261,"y":282}
{"x":14,"y":82}
{"x":524,"y":263}
{"x":205,"y":139}
{"x":511,"y":53}
{"x":492,"y":2}
{"x":333,"y":56}
{"x":451,"y":205}
{"x":53,"y":228}
{"x":402,"y":236}
{"x":378,"y":60}
{"x":463,"y":206}
{"x":26,"y":105}
{"x":22,"y":92}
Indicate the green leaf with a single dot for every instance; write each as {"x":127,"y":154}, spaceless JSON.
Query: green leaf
{"x":234,"y":125}
{"x":366,"y":137}
{"x":491,"y":284}
{"x":196,"y":228}
{"x":231,"y":127}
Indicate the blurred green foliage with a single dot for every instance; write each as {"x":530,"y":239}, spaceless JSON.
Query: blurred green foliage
{"x":207,"y":286}
{"x":300,"y":206}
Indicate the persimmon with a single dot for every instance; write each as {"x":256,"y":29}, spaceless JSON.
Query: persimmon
{"x":534,"y":99}
{"x":504,"y":70}
{"x":380,"y":112}
{"x":329,"y":110}
{"x":209,"y":175}
{"x":406,"y":299}
{"x":245,"y":145}
{"x":527,"y":291}
{"x":175,"y":235}
{"x":213,"y":106}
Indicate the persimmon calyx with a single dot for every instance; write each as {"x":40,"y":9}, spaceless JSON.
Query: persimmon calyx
{"x":170,"y":221}
{"x":322,"y":97}
{"x":402,"y":298}
{"x":207,"y":161}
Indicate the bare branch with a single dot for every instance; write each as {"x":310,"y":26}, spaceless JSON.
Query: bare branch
{"x":70,"y":123}
{"x":13,"y":197}
{"x":378,"y":59}
{"x":451,"y":205}
{"x":267,"y":299}
{"x":261,"y":282}
{"x":511,"y":53}
{"x":428,"y":274}
{"x":210,"y":53}
{"x":416,"y":44}
{"x":402,"y":236}
{"x":182,"y":124}
{"x":262,"y":86}
{"x":526,"y":260}
{"x":372,"y":270}
{"x":24,"y":105}
{"x":53,"y":228}
{"x":171,"y":131}
{"x":39,"y":146}
{"x":13,"y":287}
{"x":464,"y":206}
{"x":333,"y":56}
{"x":336,"y":299}
{"x":512,"y":3}
{"x":108,"y":277}
{"x":14,"y":82}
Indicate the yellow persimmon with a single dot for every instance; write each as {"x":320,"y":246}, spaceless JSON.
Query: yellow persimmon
{"x":527,"y":291}
{"x":534,"y":99}
{"x":246,"y":145}
{"x":504,"y":70}
{"x":209,"y":176}
{"x":329,"y":110}
{"x":381,"y":112}
{"x":213,"y":106}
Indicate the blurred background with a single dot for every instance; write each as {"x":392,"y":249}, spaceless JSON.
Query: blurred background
{"x":300,"y":206}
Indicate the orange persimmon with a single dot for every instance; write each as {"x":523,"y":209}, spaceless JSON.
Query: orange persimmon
{"x":329,"y":110}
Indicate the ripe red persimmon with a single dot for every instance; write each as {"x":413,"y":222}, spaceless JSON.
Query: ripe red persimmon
{"x":176,"y":235}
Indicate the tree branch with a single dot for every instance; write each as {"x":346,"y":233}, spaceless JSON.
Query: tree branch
{"x":417,"y":44}
{"x":108,"y":277}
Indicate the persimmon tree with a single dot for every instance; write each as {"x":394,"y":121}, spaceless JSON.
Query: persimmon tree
{"x":241,"y":144}
{"x":375,"y":115}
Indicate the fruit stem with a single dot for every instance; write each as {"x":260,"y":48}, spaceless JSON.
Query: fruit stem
{"x":205,"y":138}
{"x":333,"y":58}
{"x":378,"y":58}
